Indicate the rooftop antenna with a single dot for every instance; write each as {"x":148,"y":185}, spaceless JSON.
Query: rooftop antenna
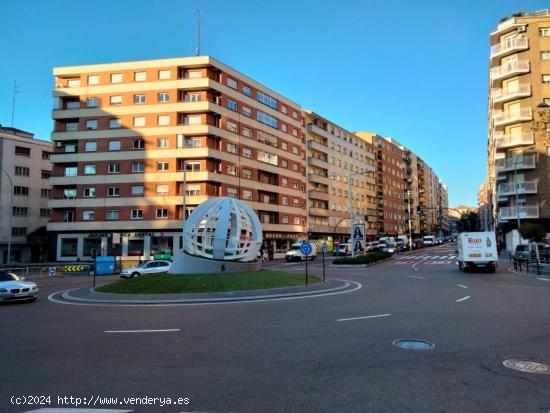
{"x":15,"y":91}
{"x":198,"y":51}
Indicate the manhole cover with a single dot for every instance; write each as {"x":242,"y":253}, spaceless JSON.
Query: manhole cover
{"x":414,"y":344}
{"x":527,"y":366}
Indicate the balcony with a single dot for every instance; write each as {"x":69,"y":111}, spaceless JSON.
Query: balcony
{"x":503,"y":141}
{"x":501,"y":95}
{"x":317,"y":130}
{"x":322,"y":196}
{"x":319,"y":212}
{"x":517,"y":67}
{"x":512,"y":44}
{"x":318,"y":179}
{"x":524,"y":212}
{"x":501,"y":117}
{"x":507,"y":189}
{"x":317,"y":146}
{"x":317,"y":162}
{"x":521,"y":163}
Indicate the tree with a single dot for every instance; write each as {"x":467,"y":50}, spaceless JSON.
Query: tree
{"x":469,"y":221}
{"x":532,"y":232}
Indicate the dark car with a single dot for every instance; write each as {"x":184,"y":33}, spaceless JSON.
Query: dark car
{"x":521,"y":252}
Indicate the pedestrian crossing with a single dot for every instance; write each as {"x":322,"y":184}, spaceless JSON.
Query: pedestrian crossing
{"x":427,"y":257}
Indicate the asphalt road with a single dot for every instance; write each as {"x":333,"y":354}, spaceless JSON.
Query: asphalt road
{"x":303,"y":355}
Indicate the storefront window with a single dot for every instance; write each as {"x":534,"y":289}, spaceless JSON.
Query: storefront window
{"x":135,"y":247}
{"x":90,"y":243}
{"x":114,"y":249}
{"x":69,"y":247}
{"x":161,"y":245}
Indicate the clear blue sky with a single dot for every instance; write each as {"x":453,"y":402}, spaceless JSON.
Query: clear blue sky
{"x":413,"y":70}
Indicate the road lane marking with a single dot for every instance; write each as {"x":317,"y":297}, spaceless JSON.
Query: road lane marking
{"x":417,"y":276}
{"x":414,"y":268}
{"x":463,"y":286}
{"x":168,"y":330}
{"x":543,"y":279}
{"x":362,"y":318}
{"x":463,"y":299}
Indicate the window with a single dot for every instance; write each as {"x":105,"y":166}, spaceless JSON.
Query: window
{"x":90,"y":146}
{"x":231,"y":104}
{"x":46,"y":174}
{"x":283,"y":127}
{"x":89,"y":192}
{"x":22,"y":171}
{"x":284,"y":163}
{"x":545,"y":55}
{"x":295,"y":184}
{"x":114,"y":145}
{"x":247,"y":194}
{"x":163,"y":143}
{"x":267,"y":119}
{"x":22,"y":151}
{"x":284,"y":109}
{"x":18,"y":231}
{"x":268,"y":158}
{"x":45,"y":193}
{"x":231,"y":126}
{"x":116,"y":78}
{"x":139,"y":121}
{"x":193,"y":120}
{"x":266,"y":99}
{"x":232,"y":148}
{"x":247,"y":111}
{"x":193,"y":166}
{"x":113,"y":168}
{"x":46,"y":155}
{"x":295,"y":150}
{"x":232,"y":83}
{"x":112,"y":214}
{"x":162,"y":166}
{"x":137,"y":190}
{"x":162,"y":189}
{"x":71,"y":127}
{"x":70,"y":171}
{"x":544,"y":31}
{"x":89,"y":170}
{"x":164,"y":74}
{"x":296,"y":220}
{"x":88,"y":215}
{"x":115,"y":100}
{"x":137,"y":213}
{"x":138,"y":99}
{"x":193,"y":97}
{"x":247,"y":91}
{"x":140,"y":76}
{"x":163,"y":120}
{"x":20,"y":211}
{"x":284,"y":200}
{"x":295,"y":202}
{"x":545,"y":78}
{"x":232,"y":192}
{"x":284,"y":146}
{"x":285,"y":219}
{"x":138,"y":166}
{"x":139,"y":144}
{"x":44,"y":212}
{"x":194,"y":74}
{"x":92,"y":102}
{"x":21,"y":190}
{"x":162,"y":213}
{"x":247,"y":173}
{"x":295,"y":114}
{"x":247,"y":153}
{"x":188,"y":142}
{"x":91,"y":124}
{"x":163,"y":97}
{"x":73,"y":83}
{"x":231,"y":170}
{"x":247,"y":132}
{"x":93,"y":80}
{"x":284,"y":182}
{"x":294,"y":132}
{"x":113,"y":191}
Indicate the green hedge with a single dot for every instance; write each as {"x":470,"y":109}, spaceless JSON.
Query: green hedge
{"x":363,"y":259}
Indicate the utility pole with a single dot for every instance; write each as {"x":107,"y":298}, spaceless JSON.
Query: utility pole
{"x":198,"y":50}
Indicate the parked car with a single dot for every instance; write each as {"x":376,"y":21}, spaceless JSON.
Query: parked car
{"x":391,"y":247}
{"x":428,"y":240}
{"x":521,"y":251}
{"x":343,"y":249}
{"x":14,"y":288}
{"x":372,"y":246}
{"x":147,"y":267}
{"x":417,"y":243}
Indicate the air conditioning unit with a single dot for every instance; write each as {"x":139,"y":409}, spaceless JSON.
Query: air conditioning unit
{"x":522,"y":29}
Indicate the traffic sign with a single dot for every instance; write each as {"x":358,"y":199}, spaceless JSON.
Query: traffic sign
{"x":52,"y":271}
{"x":324,"y":247}
{"x":73,"y":268}
{"x":305,"y":248}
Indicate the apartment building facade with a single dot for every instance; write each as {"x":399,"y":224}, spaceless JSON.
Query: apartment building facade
{"x":126,"y":134}
{"x":333,"y":154}
{"x":25,"y":170}
{"x":519,"y":119}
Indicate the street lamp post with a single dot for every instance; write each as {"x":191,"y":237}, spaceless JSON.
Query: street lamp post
{"x":516,"y":188}
{"x":184,"y":191}
{"x":10,"y":214}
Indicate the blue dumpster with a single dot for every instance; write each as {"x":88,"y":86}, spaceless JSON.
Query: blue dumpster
{"x":104,"y":265}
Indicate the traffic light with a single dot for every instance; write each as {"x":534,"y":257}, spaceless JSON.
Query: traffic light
{"x":418,"y":210}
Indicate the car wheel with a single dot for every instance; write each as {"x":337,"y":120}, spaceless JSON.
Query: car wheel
{"x":135,"y":274}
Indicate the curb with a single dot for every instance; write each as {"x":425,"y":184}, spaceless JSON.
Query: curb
{"x":67,"y":296}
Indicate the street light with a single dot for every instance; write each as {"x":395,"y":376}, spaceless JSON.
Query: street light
{"x":10,"y":214}
{"x":517,"y":159}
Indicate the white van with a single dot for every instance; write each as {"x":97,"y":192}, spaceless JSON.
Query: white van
{"x":477,"y":250}
{"x":294,"y":253}
{"x":428,"y":240}
{"x":343,"y":249}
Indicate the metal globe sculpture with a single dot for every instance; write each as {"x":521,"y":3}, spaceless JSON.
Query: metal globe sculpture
{"x":223,"y":229}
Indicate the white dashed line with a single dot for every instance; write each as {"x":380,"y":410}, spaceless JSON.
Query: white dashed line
{"x":168,"y":330}
{"x":417,"y":276}
{"x":543,"y":279}
{"x":463,"y":286}
{"x":362,"y":318}
{"x":463,"y":299}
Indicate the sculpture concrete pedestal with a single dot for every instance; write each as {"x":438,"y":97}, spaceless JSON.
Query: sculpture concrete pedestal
{"x":184,"y":263}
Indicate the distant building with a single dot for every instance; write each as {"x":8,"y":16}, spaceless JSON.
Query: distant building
{"x":25,"y":170}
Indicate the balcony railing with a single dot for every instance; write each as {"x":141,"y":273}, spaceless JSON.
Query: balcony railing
{"x":506,"y":213}
{"x":501,"y":95}
{"x":512,"y":68}
{"x":515,"y":43}
{"x":501,"y":117}
{"x":503,"y":141}
{"x":525,"y":162}
{"x":323,"y":196}
{"x":528,"y":187}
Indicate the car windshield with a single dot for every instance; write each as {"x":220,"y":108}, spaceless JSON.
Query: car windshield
{"x":391,"y":245}
{"x":522,"y":248}
{"x":8,"y":276}
{"x":295,"y":248}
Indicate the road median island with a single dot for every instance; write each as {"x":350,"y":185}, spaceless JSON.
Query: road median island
{"x":206,"y":283}
{"x":362,"y":260}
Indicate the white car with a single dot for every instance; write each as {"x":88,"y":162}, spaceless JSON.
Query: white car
{"x":147,"y":267}
{"x":13,"y":288}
